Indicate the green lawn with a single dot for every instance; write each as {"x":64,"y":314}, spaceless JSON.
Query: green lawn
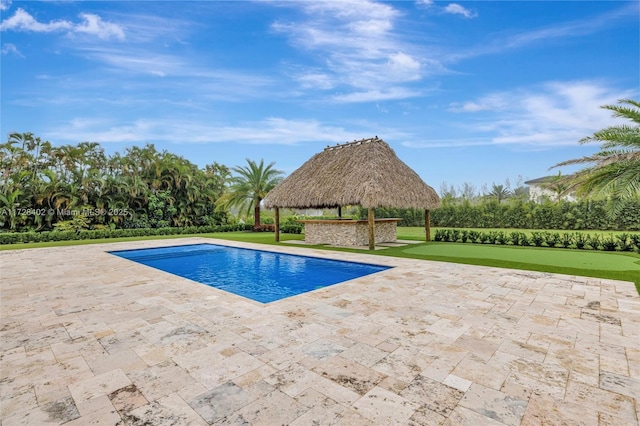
{"x":592,"y":260}
{"x":616,"y":266}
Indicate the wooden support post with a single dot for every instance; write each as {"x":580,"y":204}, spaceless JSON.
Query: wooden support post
{"x":427,"y":224}
{"x":372,"y":233}
{"x":339,"y":212}
{"x":277,"y":221}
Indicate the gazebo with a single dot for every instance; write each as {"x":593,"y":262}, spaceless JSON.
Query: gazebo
{"x":364,"y":173}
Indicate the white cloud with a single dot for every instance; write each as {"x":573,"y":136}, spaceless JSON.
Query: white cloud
{"x":573,"y":28}
{"x":360,"y":50}
{"x":91,"y":24}
{"x":271,"y":130}
{"x":203,"y":83}
{"x":23,"y":21}
{"x":553,"y":114}
{"x":372,"y":27}
{"x":467,"y":106}
{"x":375,"y":95}
{"x":315,"y":80}
{"x":451,"y":8}
{"x":540,"y":36}
{"x":350,"y":10}
{"x":492,"y":102}
{"x":11,"y":48}
{"x":424,"y":3}
{"x":5,"y":4}
{"x":136,"y":61}
{"x":456,"y":9}
{"x":404,"y":67}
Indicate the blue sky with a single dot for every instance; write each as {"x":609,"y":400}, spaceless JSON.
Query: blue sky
{"x":464,"y":92}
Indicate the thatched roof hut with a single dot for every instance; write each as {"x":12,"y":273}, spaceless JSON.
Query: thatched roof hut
{"x":363,"y":173}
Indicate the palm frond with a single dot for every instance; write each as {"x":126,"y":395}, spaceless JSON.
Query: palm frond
{"x":617,"y":180}
{"x":613,"y":172}
{"x":615,"y":136}
{"x":620,"y":111}
{"x":250,"y":185}
{"x":601,"y":157}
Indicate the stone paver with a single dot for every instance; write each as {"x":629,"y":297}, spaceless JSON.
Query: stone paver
{"x":89,"y":338}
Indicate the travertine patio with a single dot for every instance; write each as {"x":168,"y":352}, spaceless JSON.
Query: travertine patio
{"x":90,"y":338}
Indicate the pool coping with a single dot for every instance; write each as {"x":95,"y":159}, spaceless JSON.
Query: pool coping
{"x":380,"y":268}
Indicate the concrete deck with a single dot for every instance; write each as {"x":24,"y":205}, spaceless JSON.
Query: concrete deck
{"x":90,"y":338}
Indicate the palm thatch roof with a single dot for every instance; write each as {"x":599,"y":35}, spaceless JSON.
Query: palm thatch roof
{"x":363,"y":173}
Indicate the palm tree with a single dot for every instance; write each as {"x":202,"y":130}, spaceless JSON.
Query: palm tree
{"x":613,"y":172}
{"x":500,"y":192}
{"x":250,"y":186}
{"x":216,"y":176}
{"x":9,"y":202}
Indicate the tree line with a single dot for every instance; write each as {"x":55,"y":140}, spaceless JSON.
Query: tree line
{"x":43,"y":187}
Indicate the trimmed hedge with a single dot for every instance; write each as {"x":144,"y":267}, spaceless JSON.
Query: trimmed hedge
{"x":291,"y":228}
{"x":35,"y":237}
{"x":570,"y":240}
{"x":520,"y":214}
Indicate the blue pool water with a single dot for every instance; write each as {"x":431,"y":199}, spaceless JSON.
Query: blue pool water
{"x":263,"y":276}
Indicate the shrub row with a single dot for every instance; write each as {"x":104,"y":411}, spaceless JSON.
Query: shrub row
{"x":572,"y":240}
{"x":33,"y":237}
{"x":529,"y":215}
{"x":520,"y":214}
{"x":292,"y":228}
{"x":36,"y":237}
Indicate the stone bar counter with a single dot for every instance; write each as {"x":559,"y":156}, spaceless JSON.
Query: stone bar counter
{"x":348,"y":232}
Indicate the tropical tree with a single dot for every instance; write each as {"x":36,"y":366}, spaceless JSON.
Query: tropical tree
{"x":250,"y":186}
{"x":42,"y":186}
{"x":613,"y":172}
{"x":216,"y":176}
{"x":9,"y":202}
{"x":499,"y":192}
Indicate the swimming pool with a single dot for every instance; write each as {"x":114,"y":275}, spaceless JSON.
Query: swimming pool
{"x":263,"y":276}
